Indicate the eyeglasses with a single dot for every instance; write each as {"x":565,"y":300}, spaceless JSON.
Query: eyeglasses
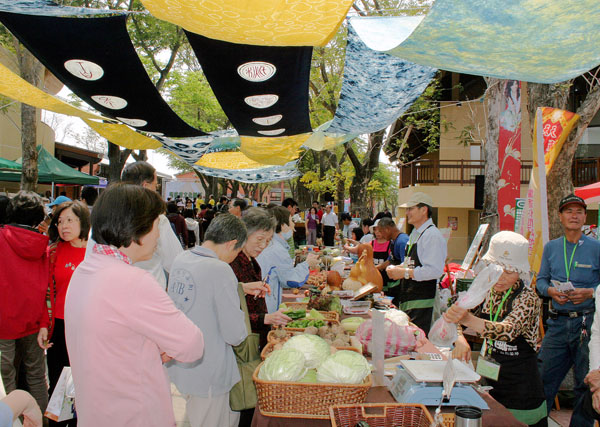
{"x":67,"y":221}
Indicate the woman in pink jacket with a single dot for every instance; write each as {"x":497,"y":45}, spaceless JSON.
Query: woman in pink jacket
{"x":120,"y":325}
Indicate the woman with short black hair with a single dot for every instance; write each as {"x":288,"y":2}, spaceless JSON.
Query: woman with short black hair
{"x":120,"y":325}
{"x":68,"y":233}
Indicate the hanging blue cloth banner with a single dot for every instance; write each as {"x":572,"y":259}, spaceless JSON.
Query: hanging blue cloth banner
{"x":49,"y":8}
{"x":377,"y":88}
{"x":266,"y":174}
{"x":97,"y":61}
{"x":192,"y":149}
{"x":527,"y":40}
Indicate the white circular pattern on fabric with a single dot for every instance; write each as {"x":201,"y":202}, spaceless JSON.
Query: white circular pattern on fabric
{"x":156,"y":133}
{"x":267,"y":121}
{"x":271,"y":132}
{"x":257,"y":71}
{"x":85,"y":70}
{"x":112,"y":102}
{"x":137,"y":123}
{"x":261,"y":101}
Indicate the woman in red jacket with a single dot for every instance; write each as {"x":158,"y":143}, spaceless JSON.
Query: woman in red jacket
{"x":69,"y":231}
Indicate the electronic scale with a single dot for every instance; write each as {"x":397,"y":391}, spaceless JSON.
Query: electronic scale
{"x":420,"y":381}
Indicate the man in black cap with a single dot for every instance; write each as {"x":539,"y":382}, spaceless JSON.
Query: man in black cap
{"x":569,"y":274}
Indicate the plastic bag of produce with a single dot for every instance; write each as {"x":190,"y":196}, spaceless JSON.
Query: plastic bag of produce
{"x":283,"y":365}
{"x":399,"y":339}
{"x":399,"y":317}
{"x":442,"y":333}
{"x":314,"y":348}
{"x":344,"y":367}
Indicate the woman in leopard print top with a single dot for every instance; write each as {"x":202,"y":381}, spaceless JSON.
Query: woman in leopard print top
{"x":508,"y":320}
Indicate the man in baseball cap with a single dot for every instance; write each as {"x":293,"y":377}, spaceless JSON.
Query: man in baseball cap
{"x":569,"y":274}
{"x":423,"y":264}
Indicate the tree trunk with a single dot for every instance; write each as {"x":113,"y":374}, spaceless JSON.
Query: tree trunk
{"x":559,"y":180}
{"x":116,"y":161}
{"x":363,"y":172}
{"x":30,"y":70}
{"x":494,"y":104}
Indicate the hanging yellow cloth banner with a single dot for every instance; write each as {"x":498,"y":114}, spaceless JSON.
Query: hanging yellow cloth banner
{"x":228,"y":160}
{"x":264,"y":22}
{"x":273,"y":151}
{"x":20,"y":90}
{"x":121,"y":135}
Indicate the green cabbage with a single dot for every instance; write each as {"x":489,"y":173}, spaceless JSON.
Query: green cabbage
{"x":314,"y":348}
{"x":344,"y":366}
{"x":310,"y":377}
{"x":283,"y":365}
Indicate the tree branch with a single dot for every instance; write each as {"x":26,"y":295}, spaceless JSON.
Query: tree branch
{"x":352,"y":155}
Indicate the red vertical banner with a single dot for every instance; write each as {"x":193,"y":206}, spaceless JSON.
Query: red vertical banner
{"x":509,"y":155}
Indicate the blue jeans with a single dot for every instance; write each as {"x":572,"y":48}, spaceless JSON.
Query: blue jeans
{"x":562,"y":348}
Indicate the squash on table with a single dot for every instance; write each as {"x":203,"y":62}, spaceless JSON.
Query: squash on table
{"x":364,"y":270}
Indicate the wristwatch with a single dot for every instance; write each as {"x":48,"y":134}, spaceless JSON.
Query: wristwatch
{"x":406,"y":275}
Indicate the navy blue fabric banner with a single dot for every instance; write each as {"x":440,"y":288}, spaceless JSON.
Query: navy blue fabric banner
{"x":262,"y":90}
{"x":97,"y":61}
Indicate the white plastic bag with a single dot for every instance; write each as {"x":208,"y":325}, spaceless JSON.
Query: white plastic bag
{"x":442,"y":333}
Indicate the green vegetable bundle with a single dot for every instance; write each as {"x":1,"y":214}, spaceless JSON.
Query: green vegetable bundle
{"x":305,"y":323}
{"x":295,"y":314}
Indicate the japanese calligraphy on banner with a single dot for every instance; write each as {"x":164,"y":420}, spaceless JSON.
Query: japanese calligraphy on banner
{"x":509,"y":154}
{"x":556,"y":125}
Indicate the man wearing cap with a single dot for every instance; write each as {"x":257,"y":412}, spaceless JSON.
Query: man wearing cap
{"x":569,"y":274}
{"x":423,"y":264}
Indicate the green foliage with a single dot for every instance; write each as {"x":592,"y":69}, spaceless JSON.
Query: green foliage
{"x":194,"y":101}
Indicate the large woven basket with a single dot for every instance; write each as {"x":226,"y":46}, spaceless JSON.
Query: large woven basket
{"x":305,"y":400}
{"x":380,"y":415}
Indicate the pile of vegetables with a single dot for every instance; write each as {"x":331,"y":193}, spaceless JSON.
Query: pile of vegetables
{"x":302,"y":319}
{"x":351,"y":324}
{"x":324,"y":302}
{"x":308,"y":358}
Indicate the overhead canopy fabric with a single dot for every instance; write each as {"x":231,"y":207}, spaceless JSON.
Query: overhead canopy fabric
{"x":97,"y":61}
{"x":48,"y":8}
{"x":265,"y":174}
{"x":192,"y":149}
{"x":18,"y":89}
{"x":262,"y":90}
{"x":377,"y":88}
{"x":50,"y":169}
{"x":528,"y":40}
{"x":265,"y":23}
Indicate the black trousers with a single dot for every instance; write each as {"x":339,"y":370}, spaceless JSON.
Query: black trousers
{"x":57,"y":358}
{"x":328,"y":235}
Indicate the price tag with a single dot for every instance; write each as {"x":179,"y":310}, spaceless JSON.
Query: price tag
{"x":488,"y":368}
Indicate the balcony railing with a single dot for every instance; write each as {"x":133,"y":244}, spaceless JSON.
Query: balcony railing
{"x":462,"y":172}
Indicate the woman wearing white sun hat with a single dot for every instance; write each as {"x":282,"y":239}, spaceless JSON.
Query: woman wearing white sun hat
{"x":508,"y":320}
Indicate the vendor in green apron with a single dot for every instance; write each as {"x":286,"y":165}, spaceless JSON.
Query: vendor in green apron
{"x":508,"y":320}
{"x":423,"y":264}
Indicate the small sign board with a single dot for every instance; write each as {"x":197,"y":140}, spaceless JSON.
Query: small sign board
{"x":474,"y":248}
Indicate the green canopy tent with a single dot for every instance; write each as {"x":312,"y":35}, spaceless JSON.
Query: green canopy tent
{"x":9,"y":164}
{"x":50,"y":170}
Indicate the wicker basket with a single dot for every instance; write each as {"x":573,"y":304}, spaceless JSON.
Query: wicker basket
{"x":380,"y":415}
{"x":448,"y":419}
{"x":305,"y":400}
{"x":294,"y":305}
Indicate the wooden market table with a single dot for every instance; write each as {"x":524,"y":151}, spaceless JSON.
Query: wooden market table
{"x":496,"y":416}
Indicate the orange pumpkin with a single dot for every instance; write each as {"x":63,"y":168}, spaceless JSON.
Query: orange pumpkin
{"x":364,"y":270}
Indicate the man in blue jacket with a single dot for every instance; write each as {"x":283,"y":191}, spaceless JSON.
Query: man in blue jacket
{"x":569,"y":274}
